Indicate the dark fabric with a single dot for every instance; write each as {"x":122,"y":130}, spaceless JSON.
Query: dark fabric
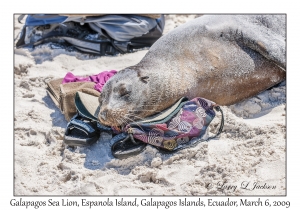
{"x":189,"y":124}
{"x":103,"y":35}
{"x":43,"y":19}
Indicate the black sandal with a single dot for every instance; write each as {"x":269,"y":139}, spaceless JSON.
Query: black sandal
{"x":81,"y":131}
{"x":126,"y":147}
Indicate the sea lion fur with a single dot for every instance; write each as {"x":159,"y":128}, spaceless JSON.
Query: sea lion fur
{"x":223,"y":58}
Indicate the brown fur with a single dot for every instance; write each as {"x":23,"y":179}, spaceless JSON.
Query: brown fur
{"x":201,"y":59}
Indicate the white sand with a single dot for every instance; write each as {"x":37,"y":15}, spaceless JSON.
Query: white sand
{"x":251,"y":149}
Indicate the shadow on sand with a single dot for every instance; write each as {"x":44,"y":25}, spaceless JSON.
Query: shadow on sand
{"x":58,"y":119}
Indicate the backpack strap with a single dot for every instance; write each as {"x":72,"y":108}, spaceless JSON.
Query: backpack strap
{"x":101,"y":47}
{"x":218,"y":108}
{"x":20,"y":18}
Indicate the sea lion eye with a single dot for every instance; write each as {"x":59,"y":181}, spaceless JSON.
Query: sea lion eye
{"x":127,"y":93}
{"x":145,"y":79}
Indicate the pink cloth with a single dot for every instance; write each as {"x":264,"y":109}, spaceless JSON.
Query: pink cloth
{"x":100,"y":79}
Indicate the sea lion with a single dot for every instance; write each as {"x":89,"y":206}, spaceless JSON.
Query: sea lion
{"x":223,"y":58}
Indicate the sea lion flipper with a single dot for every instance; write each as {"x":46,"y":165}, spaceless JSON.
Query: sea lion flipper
{"x":274,"y":51}
{"x":268,"y":43}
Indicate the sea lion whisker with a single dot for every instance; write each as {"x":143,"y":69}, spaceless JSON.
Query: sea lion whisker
{"x":136,"y":124}
{"x":143,"y":110}
{"x":123,"y":118}
{"x":118,"y":120}
{"x":149,"y":106}
{"x":121,"y":122}
{"x":131,"y":115}
{"x":132,"y":121}
{"x":126,"y":120}
{"x":153,"y":110}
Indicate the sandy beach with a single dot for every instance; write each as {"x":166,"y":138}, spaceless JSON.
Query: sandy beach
{"x":249,"y":157}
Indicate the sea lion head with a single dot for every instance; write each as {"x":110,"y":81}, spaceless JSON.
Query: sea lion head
{"x":125,"y":98}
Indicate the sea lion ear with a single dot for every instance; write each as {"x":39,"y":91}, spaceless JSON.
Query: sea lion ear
{"x":144,"y":79}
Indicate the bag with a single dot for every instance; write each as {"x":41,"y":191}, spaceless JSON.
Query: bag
{"x":102,"y":35}
{"x":179,"y":127}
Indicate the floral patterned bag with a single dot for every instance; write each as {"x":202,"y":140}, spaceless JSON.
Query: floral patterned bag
{"x":183,"y":125}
